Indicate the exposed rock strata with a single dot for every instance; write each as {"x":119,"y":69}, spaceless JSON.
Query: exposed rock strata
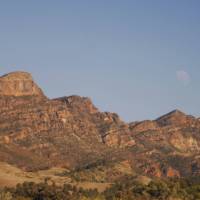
{"x":38,"y":133}
{"x":19,"y":84}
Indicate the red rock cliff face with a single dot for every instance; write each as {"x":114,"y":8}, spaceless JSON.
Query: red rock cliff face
{"x":19,"y":84}
{"x":37,"y":133}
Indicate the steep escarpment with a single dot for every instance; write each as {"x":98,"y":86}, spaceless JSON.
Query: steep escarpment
{"x":19,"y":84}
{"x":37,"y":133}
{"x":70,"y":132}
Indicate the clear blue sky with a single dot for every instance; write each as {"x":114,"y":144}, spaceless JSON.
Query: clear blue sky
{"x":139,"y":58}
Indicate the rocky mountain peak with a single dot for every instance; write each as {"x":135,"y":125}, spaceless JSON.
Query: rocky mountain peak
{"x":70,"y":132}
{"x":176,"y":112}
{"x":175,"y":117}
{"x":19,"y":84}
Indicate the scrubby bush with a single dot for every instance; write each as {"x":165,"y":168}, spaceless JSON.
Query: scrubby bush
{"x":5,"y":195}
{"x":126,"y":189}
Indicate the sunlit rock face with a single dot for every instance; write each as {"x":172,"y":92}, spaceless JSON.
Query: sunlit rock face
{"x":19,"y":84}
{"x":38,"y":133}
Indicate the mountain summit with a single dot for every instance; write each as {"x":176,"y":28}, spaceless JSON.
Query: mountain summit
{"x":176,"y":117}
{"x":70,"y":132}
{"x":19,"y":84}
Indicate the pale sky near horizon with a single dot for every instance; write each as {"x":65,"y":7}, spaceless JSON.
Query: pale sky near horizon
{"x":138,"y":58}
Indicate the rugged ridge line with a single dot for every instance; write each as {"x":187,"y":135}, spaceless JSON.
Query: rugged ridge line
{"x":38,"y":133}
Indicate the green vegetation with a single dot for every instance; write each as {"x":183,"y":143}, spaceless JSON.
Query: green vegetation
{"x":100,"y":172}
{"x":44,"y":191}
{"x":169,"y":189}
{"x":126,"y":189}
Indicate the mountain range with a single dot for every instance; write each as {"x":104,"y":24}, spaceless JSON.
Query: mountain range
{"x":70,"y":133}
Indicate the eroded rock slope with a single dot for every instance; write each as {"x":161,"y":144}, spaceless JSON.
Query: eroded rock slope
{"x":39,"y":133}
